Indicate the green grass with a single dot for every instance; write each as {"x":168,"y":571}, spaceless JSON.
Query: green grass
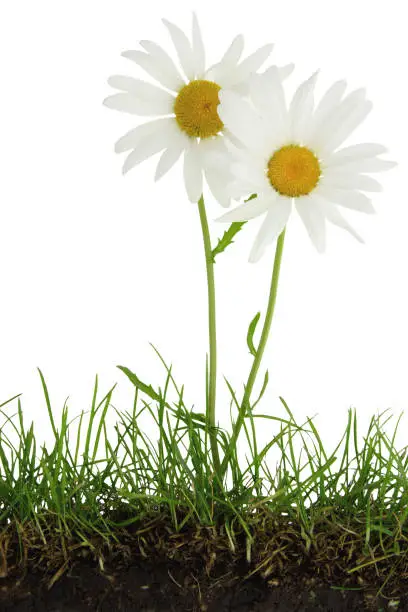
{"x":344,"y":511}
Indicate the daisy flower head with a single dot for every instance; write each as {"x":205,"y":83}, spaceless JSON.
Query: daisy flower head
{"x":186,"y":104}
{"x":290,"y":156}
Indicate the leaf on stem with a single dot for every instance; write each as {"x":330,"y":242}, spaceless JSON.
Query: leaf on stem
{"x":228,"y":236}
{"x":250,"y":334}
{"x":252,"y":406}
{"x":265,"y":384}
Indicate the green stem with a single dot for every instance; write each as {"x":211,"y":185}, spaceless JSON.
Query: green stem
{"x":259,"y":353}
{"x":211,"y":391}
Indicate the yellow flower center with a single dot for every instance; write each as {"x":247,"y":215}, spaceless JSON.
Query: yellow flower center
{"x":293,"y":171}
{"x":196,"y":109}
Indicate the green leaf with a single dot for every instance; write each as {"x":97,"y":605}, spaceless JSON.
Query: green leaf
{"x":265,"y":384}
{"x":228,"y":236}
{"x":250,"y":334}
{"x":148,"y":389}
{"x":196,"y":417}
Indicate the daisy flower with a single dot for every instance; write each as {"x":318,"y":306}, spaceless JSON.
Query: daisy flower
{"x":187,"y":106}
{"x":290,"y":157}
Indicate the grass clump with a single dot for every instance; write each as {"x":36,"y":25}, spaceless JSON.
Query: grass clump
{"x":112,"y":497}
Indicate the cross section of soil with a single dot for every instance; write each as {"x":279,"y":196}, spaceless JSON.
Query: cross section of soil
{"x":169,"y":586}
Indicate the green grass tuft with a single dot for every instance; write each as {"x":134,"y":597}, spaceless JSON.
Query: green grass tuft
{"x":344,"y":512}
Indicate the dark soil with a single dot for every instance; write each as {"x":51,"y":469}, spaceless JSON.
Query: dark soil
{"x":168,"y":587}
{"x":150,"y":568}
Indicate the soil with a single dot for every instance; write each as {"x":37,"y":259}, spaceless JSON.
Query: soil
{"x":168,"y":586}
{"x":148,"y":567}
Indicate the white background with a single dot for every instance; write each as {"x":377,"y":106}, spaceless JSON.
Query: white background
{"x":94,"y":266}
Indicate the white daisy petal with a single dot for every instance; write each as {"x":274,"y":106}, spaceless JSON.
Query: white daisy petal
{"x":129,"y":103}
{"x":314,"y":220}
{"x":356,"y":152}
{"x":216,"y":165}
{"x":210,"y":147}
{"x":332,"y":120}
{"x":268,"y":96}
{"x":346,"y":180}
{"x":349,"y":103}
{"x":285,"y":71}
{"x":216,"y":159}
{"x":157,"y":64}
{"x":193,"y":175}
{"x":216,"y":73}
{"x":301,"y":108}
{"x":126,"y":83}
{"x":167,"y":160}
{"x":217,"y":184}
{"x":145,"y":149}
{"x":198,"y":48}
{"x":252,"y":63}
{"x":334,"y":216}
{"x":234,"y":51}
{"x":132,"y":138}
{"x":231,"y":142}
{"x":145,"y":91}
{"x":328,"y":102}
{"x":262,"y":91}
{"x":220,"y":72}
{"x":183,"y":48}
{"x":347,"y":126}
{"x":349,"y":199}
{"x":241,"y":88}
{"x":253,"y":174}
{"x":249,"y":210}
{"x":275,"y":221}
{"x":239,"y":189}
{"x":373,"y":164}
{"x":241,"y":119}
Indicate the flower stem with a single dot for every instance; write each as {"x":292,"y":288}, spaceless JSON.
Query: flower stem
{"x":245,"y":406}
{"x":211,"y":391}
